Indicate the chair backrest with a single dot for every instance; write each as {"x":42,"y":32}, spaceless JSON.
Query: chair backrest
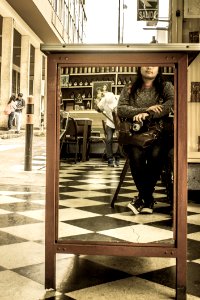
{"x":71,"y":129}
{"x":64,"y":116}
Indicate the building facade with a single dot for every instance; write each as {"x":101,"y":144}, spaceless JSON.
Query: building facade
{"x":24,"y":26}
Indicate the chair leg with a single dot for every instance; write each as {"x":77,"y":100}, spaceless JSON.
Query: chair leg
{"x":122,"y":176}
{"x":104,"y":156}
{"x":76,"y":151}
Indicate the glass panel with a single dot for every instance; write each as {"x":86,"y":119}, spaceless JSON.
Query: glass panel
{"x":87,"y":185}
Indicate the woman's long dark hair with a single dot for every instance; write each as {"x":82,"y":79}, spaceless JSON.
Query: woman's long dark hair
{"x":158,"y":82}
{"x":12,"y":98}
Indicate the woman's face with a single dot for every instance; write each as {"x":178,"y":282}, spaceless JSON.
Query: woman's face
{"x":149,"y":72}
{"x":104,"y":88}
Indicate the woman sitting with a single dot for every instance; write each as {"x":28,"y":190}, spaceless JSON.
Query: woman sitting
{"x":149,"y":96}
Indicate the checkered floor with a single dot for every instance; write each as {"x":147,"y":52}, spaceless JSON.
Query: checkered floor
{"x":86,"y":190}
{"x":85,"y":212}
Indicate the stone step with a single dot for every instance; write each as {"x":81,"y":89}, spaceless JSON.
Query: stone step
{"x":11,"y":134}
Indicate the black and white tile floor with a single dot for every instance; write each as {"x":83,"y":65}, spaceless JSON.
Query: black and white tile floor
{"x":85,"y":213}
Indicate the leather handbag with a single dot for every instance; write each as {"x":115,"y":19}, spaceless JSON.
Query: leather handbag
{"x":7,"y":110}
{"x":143,"y":138}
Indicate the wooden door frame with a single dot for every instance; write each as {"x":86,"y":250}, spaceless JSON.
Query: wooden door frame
{"x":111,"y":57}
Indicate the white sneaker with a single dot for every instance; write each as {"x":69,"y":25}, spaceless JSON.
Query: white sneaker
{"x":147,"y":210}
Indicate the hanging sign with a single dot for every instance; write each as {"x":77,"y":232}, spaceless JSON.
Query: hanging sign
{"x":147,"y":10}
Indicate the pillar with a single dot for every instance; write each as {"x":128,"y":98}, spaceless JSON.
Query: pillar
{"x":6,"y":67}
{"x":37,"y":87}
{"x":24,"y":71}
{"x":177,"y":16}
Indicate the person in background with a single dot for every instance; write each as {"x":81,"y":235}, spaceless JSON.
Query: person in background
{"x":148,"y":97}
{"x":11,"y":116}
{"x":20,"y":105}
{"x":106,"y":105}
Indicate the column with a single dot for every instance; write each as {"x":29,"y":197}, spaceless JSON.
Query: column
{"x":25,"y":71}
{"x":176,"y":21}
{"x":6,"y":67}
{"x":37,"y":87}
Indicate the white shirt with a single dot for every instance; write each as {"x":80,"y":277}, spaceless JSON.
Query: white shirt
{"x":107,"y":104}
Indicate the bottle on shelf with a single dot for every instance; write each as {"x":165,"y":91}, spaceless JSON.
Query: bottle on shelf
{"x":88,"y":105}
{"x":86,"y":82}
{"x":119,"y":82}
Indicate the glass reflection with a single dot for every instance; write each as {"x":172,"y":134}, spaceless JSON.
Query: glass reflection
{"x":87,"y":187}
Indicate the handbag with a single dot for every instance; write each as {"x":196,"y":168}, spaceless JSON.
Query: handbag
{"x":143,"y":137}
{"x":7,"y":110}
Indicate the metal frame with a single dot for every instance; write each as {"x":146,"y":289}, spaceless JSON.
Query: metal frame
{"x":133,"y":56}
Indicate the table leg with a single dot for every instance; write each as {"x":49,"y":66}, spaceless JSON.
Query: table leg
{"x":85,"y":134}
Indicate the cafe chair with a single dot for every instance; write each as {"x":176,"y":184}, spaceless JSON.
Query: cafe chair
{"x":64,"y":116}
{"x":96,"y":140}
{"x":121,"y":180}
{"x":72,"y":140}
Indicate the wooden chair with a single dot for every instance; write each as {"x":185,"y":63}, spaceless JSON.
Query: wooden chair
{"x":71,"y":137}
{"x":64,"y":116}
{"x":96,"y":140}
{"x":121,"y":180}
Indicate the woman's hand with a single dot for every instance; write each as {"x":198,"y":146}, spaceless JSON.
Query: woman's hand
{"x":140,"y":117}
{"x":156,"y":108}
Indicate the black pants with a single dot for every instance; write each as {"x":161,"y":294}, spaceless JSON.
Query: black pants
{"x":109,"y":144}
{"x":10,"y":120}
{"x":146,"y":166}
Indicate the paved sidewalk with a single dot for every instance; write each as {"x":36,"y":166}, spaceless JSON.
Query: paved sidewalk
{"x":12,"y":153}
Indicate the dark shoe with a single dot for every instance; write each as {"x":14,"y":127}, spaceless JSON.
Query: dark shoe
{"x":117,"y":162}
{"x":110,"y":162}
{"x":17,"y":131}
{"x":136,"y":205}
